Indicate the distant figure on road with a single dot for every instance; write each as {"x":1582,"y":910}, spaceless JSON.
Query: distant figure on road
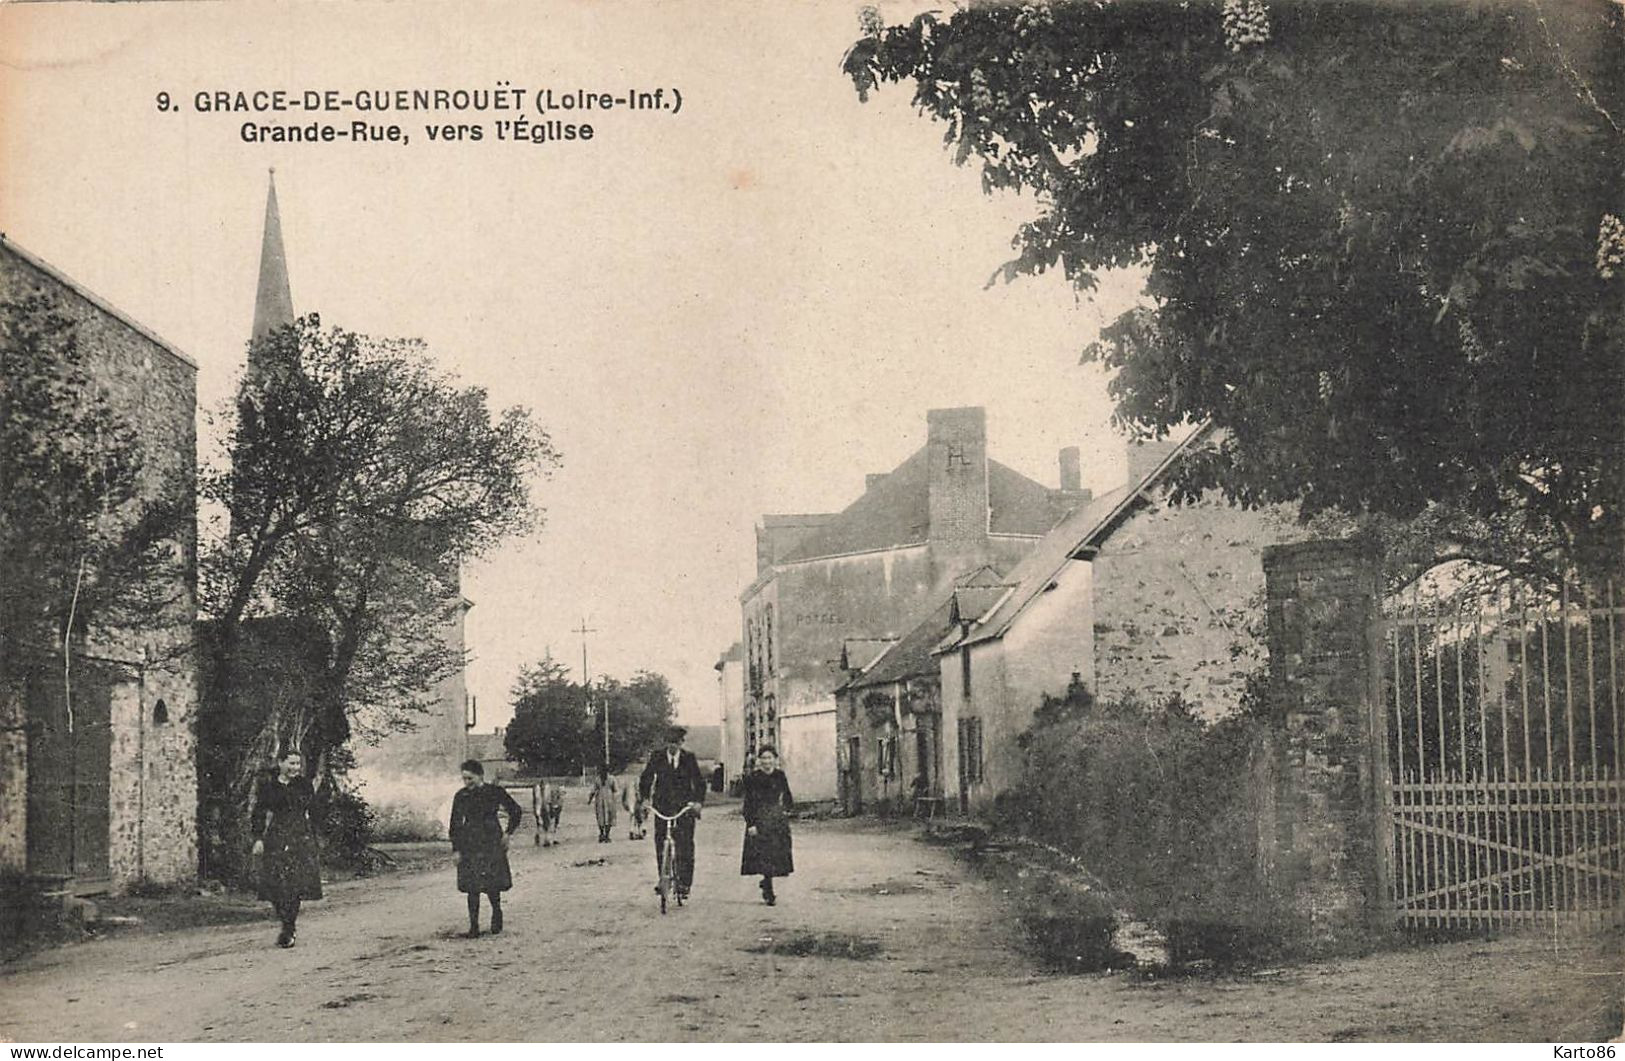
{"x":767,"y":823}
{"x":603,"y":796}
{"x":638,"y":812}
{"x":555,"y":805}
{"x":285,"y":842}
{"x":672,"y":783}
{"x":481,"y":843}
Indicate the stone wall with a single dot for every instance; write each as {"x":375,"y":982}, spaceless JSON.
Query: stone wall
{"x":1328,"y":849}
{"x":153,"y":787}
{"x":1179,"y":602}
{"x":917,"y":702}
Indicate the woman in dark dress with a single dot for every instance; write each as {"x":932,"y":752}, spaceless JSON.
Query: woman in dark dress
{"x":285,"y":842}
{"x":767,"y":825}
{"x":481,"y":843}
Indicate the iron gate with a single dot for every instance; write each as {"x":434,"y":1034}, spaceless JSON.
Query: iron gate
{"x":1503,"y":719}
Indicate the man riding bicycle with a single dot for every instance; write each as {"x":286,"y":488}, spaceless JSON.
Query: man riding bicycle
{"x":672,"y":781}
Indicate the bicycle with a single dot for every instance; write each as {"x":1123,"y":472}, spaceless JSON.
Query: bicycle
{"x":666,"y":885}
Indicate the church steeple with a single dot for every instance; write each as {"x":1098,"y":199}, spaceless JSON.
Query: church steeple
{"x":273,"y":303}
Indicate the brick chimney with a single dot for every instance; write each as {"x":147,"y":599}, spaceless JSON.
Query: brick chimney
{"x":1071,"y":469}
{"x":956,"y":444}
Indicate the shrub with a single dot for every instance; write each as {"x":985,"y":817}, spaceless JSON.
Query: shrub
{"x":1071,"y":930}
{"x":1158,"y":804}
{"x":397,"y":823}
{"x":345,"y":827}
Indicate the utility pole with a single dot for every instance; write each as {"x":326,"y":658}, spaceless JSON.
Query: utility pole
{"x":586,"y":683}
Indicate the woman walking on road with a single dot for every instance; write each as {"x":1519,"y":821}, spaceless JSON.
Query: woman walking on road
{"x":481,"y":843}
{"x":285,"y":842}
{"x":603,"y":796}
{"x":767,"y":825}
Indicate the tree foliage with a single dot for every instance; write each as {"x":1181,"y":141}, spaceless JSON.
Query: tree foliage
{"x":557,"y":725}
{"x":640,"y":712}
{"x":549,"y":723}
{"x":1381,"y":240}
{"x":360,"y":479}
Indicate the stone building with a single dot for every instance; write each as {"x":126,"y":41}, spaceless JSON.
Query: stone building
{"x":824,"y":579}
{"x":98,"y":783}
{"x":889,"y":713}
{"x":1131,"y":595}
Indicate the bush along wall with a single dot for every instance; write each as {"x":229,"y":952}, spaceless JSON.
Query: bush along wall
{"x":1164,"y":809}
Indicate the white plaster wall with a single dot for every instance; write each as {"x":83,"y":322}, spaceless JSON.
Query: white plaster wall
{"x":807,"y":754}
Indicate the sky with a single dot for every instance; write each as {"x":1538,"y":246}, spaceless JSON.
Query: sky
{"x":737,"y":308}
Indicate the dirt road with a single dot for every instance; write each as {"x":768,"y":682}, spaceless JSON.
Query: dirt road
{"x":905,"y":946}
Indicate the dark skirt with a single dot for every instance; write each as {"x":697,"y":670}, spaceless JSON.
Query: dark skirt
{"x":767,"y":854}
{"x":484,"y":869}
{"x":289,"y":869}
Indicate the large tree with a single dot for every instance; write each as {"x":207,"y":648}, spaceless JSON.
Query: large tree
{"x":359,"y":479}
{"x":1382,"y":241}
{"x":557,"y":724}
{"x":550,"y":726}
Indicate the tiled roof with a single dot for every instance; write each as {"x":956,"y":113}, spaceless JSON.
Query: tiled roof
{"x":896,"y":511}
{"x":1038,"y":568}
{"x":912,"y":657}
{"x":971,"y":603}
{"x":1017,"y":504}
{"x":1081,"y":531}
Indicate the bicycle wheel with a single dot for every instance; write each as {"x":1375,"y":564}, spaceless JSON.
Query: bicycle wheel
{"x":667,"y":877}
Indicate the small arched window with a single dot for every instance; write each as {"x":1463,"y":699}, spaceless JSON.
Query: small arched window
{"x":160,"y":712}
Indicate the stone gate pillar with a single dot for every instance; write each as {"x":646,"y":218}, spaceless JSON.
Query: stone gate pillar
{"x":1333,"y":844}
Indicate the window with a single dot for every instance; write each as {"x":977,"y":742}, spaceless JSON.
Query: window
{"x":160,"y":712}
{"x":970,"y":750}
{"x":964,"y":672}
{"x":767,"y":643}
{"x":887,"y":748}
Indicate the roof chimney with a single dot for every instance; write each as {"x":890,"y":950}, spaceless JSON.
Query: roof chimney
{"x":956,"y":444}
{"x":1071,"y":469}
